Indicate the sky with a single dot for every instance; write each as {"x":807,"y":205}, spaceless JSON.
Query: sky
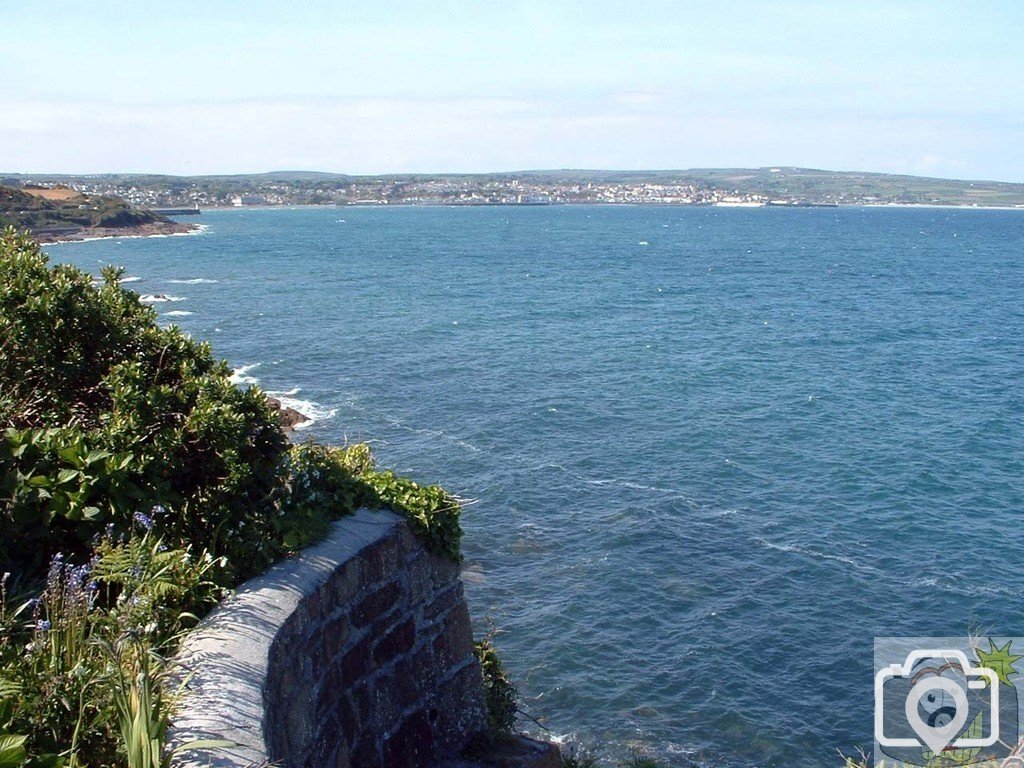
{"x":222,"y":86}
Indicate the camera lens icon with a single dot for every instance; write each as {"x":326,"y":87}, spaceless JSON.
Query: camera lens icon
{"x":936,"y":706}
{"x":937,"y":688}
{"x":936,"y":710}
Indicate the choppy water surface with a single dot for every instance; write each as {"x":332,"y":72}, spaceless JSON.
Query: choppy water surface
{"x":715,"y":451}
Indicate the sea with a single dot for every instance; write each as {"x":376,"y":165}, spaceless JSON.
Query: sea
{"x":708,"y":454}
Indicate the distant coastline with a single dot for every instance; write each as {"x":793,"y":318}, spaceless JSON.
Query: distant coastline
{"x":341,"y":206}
{"x":780,"y":186}
{"x":155,"y":229}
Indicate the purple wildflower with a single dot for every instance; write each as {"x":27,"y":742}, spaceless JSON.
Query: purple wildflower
{"x":158,"y":509}
{"x":43,"y":625}
{"x":144,"y":520}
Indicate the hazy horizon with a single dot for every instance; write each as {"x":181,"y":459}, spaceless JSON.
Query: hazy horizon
{"x":509,"y":172}
{"x":919,"y":88}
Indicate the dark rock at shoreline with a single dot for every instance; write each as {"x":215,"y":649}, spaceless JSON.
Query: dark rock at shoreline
{"x":152,"y":229}
{"x":290,"y":418}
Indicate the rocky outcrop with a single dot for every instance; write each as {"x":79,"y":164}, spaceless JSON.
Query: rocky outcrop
{"x":289,"y":417}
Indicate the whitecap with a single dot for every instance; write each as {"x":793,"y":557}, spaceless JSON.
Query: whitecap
{"x":177,"y":313}
{"x":194,"y":281}
{"x":130,"y":279}
{"x":807,"y":552}
{"x":159,"y":298}
{"x":241,"y":374}
{"x":313,"y":411}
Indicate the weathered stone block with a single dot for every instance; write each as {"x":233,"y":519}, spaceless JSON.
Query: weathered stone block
{"x":376,"y":604}
{"x":395,"y":643}
{"x":363,"y":701}
{"x":387,"y":708}
{"x":443,"y":603}
{"x":300,"y":724}
{"x":348,"y":718}
{"x":411,"y":745}
{"x":335,"y":637}
{"x":340,"y":757}
{"x":313,"y":606}
{"x":408,"y":683}
{"x":356,"y":663}
{"x":365,"y":753}
{"x":382,"y":560}
{"x":460,"y":709}
{"x":410,"y":546}
{"x":455,"y":643}
{"x":346,"y":582}
{"x":420,"y":587}
{"x":420,"y":662}
{"x":442,"y":571}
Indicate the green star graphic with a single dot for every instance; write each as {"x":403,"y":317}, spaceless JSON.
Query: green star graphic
{"x":999,"y":660}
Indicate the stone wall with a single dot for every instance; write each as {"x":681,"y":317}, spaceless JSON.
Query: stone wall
{"x":356,"y":652}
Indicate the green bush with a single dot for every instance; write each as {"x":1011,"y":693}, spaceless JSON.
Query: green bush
{"x":499,"y":692}
{"x":103,"y":413}
{"x":326,"y":483}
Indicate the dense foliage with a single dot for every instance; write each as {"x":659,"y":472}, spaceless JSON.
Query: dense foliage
{"x":105,"y":413}
{"x":136,"y":483}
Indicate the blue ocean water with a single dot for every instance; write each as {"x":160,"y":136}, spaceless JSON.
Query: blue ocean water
{"x":714,"y":451}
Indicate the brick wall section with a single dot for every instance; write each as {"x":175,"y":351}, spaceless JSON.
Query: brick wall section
{"x":357,"y":652}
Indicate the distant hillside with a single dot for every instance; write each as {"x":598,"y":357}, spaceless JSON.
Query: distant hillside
{"x":61,"y":212}
{"x":806,"y":186}
{"x":844,"y":186}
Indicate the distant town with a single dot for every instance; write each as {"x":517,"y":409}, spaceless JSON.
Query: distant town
{"x":724,"y":187}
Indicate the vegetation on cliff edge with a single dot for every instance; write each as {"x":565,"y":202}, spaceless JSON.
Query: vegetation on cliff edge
{"x":137,"y":483}
{"x":41,"y":211}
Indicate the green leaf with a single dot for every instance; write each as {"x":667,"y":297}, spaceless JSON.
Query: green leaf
{"x":12,"y":751}
{"x":96,"y":455}
{"x":203,"y":744}
{"x":70,"y":454}
{"x":67,"y":475}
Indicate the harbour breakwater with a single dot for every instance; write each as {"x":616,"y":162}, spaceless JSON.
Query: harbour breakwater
{"x":357,"y":651}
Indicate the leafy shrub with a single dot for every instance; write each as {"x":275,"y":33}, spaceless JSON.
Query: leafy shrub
{"x":499,"y":692}
{"x":103,"y":413}
{"x":64,"y":670}
{"x":326,"y":483}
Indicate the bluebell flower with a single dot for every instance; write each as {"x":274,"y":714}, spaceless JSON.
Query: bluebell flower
{"x":158,"y":509}
{"x":144,"y":520}
{"x":43,"y":625}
